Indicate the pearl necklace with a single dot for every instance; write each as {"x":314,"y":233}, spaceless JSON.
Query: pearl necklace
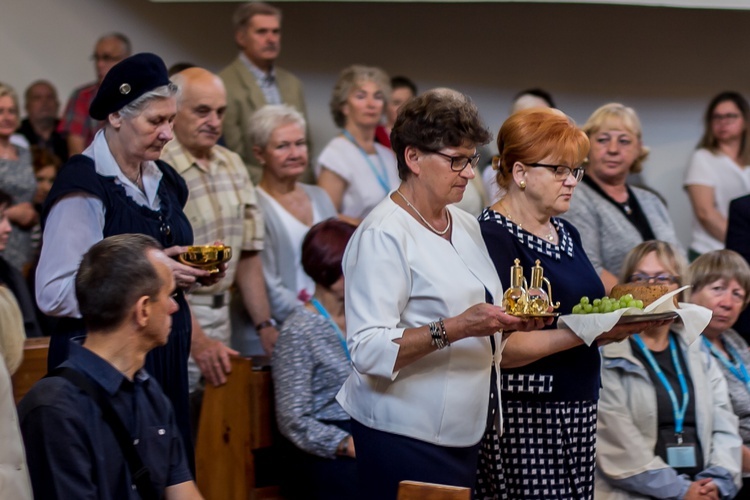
{"x":447,"y":216}
{"x":549,"y":236}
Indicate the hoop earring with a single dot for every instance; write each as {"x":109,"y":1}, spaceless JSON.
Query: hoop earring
{"x":522,"y":185}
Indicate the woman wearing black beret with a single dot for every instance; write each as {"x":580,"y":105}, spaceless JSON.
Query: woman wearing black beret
{"x":118,"y":185}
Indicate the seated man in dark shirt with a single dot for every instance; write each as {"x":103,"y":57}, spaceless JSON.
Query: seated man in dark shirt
{"x":124,"y":288}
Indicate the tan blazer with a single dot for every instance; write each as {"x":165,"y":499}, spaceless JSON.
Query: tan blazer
{"x":244,"y":97}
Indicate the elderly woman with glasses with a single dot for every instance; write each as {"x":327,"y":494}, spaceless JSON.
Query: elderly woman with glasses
{"x":666,"y":427}
{"x":119,"y":185}
{"x":721,"y":283}
{"x":611,"y":215}
{"x":719,"y":170}
{"x":423,"y":326}
{"x":550,"y":380}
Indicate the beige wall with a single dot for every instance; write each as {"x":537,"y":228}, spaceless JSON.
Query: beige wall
{"x":666,"y":63}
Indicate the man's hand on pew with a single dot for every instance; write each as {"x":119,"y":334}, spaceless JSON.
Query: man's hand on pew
{"x":211,"y":356}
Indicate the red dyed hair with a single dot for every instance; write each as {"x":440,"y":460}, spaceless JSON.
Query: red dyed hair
{"x":323,"y":250}
{"x":531,"y":135}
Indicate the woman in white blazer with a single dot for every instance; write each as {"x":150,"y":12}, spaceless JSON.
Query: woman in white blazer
{"x":423,"y":329}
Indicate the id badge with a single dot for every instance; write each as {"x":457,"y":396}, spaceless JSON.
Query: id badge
{"x":681,"y":456}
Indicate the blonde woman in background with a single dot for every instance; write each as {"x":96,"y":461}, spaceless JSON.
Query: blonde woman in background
{"x":611,"y":215}
{"x":14,"y":475}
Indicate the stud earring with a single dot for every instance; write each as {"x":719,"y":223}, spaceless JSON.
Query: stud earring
{"x":522,"y":185}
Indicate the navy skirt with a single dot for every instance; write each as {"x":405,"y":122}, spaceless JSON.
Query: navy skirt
{"x":385,"y":459}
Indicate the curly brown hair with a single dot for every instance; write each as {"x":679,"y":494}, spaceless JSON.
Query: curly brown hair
{"x":437,"y":119}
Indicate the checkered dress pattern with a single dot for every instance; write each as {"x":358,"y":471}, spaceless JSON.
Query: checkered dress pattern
{"x":547,"y":452}
{"x":530,"y":240}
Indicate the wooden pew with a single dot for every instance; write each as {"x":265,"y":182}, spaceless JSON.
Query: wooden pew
{"x":33,"y":367}
{"x":415,"y":490}
{"x":234,"y":458}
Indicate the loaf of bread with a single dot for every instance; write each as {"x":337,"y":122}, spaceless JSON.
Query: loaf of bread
{"x":646,"y":293}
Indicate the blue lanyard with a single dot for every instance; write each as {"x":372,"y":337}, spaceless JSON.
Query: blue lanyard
{"x":679,"y":413}
{"x":322,"y":310}
{"x":737,"y":368}
{"x":382,"y":175}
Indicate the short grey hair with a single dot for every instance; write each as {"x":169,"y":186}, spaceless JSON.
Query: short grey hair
{"x":136,"y":107}
{"x":246,"y":11}
{"x":270,"y":117}
{"x":124,"y":40}
{"x":350,"y":78}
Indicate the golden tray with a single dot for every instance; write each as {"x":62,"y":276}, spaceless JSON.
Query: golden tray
{"x":532,"y":316}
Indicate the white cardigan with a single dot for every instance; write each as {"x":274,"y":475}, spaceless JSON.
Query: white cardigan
{"x":400,"y":275}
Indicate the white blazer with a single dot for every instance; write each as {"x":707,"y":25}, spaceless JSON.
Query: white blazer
{"x":400,"y":275}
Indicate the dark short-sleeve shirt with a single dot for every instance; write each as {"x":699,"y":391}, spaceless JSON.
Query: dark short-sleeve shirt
{"x":71,"y":450}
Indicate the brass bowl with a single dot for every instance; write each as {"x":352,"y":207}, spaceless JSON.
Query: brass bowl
{"x":207,"y":257}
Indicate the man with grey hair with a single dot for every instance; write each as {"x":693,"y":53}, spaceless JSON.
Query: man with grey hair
{"x":76,"y":123}
{"x":222,"y":207}
{"x":252,"y":80}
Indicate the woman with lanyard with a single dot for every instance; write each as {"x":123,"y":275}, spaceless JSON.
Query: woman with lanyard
{"x":356,"y":172}
{"x":721,"y":282}
{"x":310,"y":364}
{"x":666,"y":427}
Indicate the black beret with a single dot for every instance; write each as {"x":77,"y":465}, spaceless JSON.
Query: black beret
{"x":127,"y":81}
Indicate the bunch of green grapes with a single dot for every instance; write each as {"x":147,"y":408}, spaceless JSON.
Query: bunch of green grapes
{"x":606,"y":304}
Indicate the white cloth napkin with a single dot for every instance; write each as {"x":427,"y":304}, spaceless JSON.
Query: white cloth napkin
{"x":589,"y":326}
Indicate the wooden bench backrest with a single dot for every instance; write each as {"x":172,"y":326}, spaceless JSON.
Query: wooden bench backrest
{"x":415,"y":490}
{"x":236,"y":419}
{"x":33,"y":367}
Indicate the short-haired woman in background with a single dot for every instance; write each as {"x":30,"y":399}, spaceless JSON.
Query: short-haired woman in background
{"x":356,"y":172}
{"x":721,"y":283}
{"x":289,"y":207}
{"x":611,"y":215}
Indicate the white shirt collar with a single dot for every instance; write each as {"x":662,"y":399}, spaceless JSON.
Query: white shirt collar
{"x":106,"y":166}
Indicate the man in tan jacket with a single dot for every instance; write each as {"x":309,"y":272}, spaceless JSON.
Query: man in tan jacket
{"x":252,"y":80}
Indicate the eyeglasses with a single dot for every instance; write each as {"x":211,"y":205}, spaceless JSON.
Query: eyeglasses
{"x":729,"y":117}
{"x":562,"y":172}
{"x":459,"y":163}
{"x":660,"y":279}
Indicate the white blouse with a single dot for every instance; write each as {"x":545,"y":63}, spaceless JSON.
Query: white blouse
{"x":363,"y":190}
{"x":400,"y":275}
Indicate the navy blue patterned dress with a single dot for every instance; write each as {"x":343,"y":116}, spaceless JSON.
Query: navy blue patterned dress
{"x":168,"y":363}
{"x":547,"y":450}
